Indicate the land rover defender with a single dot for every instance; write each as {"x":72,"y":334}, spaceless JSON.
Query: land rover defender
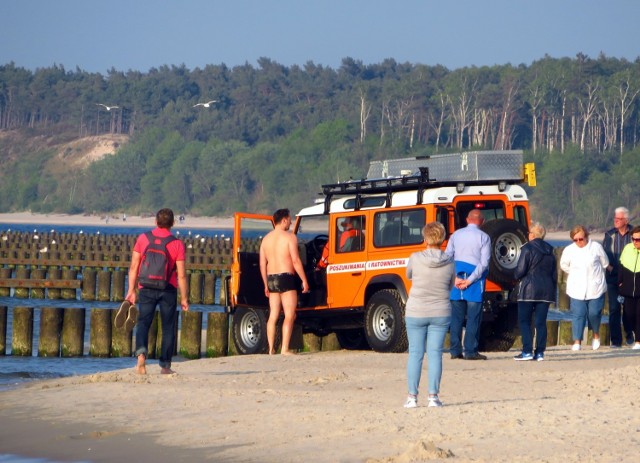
{"x":358,"y":285}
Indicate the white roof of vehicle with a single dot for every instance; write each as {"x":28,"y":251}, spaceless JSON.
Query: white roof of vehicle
{"x":440,"y":195}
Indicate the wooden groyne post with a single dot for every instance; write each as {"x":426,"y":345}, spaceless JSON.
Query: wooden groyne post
{"x":3,"y":330}
{"x":50,"y":331}
{"x":22,"y":340}
{"x":73,"y":327}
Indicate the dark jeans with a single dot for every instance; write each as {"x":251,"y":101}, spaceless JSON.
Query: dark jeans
{"x":527,"y":309}
{"x":632,"y":314}
{"x":473,"y":313}
{"x":615,"y":316}
{"x":167,"y":301}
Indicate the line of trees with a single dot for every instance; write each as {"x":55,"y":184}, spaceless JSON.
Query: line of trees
{"x":592,"y":103}
{"x":277,"y":133}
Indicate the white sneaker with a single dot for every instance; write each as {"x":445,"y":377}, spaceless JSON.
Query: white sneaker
{"x":577,"y":347}
{"x":434,"y":402}
{"x":636,"y":346}
{"x":412,"y":402}
{"x":595,"y":345}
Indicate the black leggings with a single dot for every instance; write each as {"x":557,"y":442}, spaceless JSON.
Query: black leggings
{"x":631,"y":314}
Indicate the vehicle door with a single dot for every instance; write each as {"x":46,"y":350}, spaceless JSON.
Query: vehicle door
{"x":246,"y":287}
{"x":347,"y":259}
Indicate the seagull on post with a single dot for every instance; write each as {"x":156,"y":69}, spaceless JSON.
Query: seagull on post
{"x":207,"y":104}
{"x":108,"y":108}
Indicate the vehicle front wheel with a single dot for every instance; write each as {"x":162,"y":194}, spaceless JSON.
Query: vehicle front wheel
{"x":384,"y":322}
{"x":249,"y":328}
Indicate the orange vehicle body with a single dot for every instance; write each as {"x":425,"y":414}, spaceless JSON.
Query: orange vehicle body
{"x":360,"y":294}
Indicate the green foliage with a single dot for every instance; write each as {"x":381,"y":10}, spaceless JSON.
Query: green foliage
{"x":157,"y":168}
{"x":276,"y":134}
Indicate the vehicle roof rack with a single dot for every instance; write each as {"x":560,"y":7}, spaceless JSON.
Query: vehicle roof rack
{"x":395,"y":175}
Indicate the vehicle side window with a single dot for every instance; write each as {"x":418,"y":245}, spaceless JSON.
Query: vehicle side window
{"x":350,"y":233}
{"x":398,"y":227}
{"x":442,"y":216}
{"x":520,"y":215}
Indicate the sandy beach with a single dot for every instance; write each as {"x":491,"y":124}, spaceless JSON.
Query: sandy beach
{"x":341,"y":406}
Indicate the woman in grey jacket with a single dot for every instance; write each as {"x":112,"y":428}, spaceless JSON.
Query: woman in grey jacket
{"x":428,"y":312}
{"x":538,"y":275}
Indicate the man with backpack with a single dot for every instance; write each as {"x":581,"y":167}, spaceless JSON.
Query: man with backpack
{"x":157,"y":271}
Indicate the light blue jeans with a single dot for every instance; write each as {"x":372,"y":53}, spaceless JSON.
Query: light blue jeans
{"x":590,"y":309}
{"x":425,"y":333}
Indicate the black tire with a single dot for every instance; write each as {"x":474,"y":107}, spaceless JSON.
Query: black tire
{"x":249,"y":328}
{"x":507,"y":238}
{"x":384,"y":322}
{"x":352,"y":339}
{"x":500,"y":334}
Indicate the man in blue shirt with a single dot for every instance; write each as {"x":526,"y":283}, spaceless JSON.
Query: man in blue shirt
{"x":470,"y":248}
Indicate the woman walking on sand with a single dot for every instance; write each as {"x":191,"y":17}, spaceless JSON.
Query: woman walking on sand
{"x":428,"y":312}
{"x":585,"y":262}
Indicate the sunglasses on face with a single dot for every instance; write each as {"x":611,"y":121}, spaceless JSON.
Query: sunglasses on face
{"x":575,"y":240}
{"x":635,"y":240}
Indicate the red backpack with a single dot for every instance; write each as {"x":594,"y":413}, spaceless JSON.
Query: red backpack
{"x":155,"y":272}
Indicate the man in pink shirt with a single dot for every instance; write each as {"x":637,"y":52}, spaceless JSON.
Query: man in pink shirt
{"x":166,"y":299}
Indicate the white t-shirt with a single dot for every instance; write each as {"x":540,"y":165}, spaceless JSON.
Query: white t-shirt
{"x":586,"y":269}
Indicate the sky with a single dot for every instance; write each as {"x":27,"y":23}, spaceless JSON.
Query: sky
{"x":97,"y":36}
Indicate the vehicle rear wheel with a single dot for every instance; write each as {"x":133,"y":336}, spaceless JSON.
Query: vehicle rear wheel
{"x":249,"y":328}
{"x":384,"y":322}
{"x":352,"y":339}
{"x":507,"y":238}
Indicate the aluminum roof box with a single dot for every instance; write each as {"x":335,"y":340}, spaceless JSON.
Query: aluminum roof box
{"x":455,"y":167}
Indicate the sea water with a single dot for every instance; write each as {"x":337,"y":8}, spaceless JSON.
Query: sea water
{"x":9,"y":458}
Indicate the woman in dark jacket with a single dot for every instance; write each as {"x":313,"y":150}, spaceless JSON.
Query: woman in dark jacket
{"x":538,"y":275}
{"x":629,"y":283}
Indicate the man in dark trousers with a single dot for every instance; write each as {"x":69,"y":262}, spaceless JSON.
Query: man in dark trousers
{"x":165,"y":299}
{"x":613,"y":243}
{"x":470,"y":248}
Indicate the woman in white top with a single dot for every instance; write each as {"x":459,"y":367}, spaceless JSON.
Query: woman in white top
{"x":585,"y":262}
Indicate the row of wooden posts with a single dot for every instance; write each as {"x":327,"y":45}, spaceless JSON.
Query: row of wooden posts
{"x":83,"y":250}
{"x":62,"y":334}
{"x":77,"y":273}
{"x":91,"y":267}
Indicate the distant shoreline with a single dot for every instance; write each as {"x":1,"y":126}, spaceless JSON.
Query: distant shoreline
{"x":189,"y":222}
{"x":114,"y":220}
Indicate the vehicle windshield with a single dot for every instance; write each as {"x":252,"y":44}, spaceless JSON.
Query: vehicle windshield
{"x":312,"y":225}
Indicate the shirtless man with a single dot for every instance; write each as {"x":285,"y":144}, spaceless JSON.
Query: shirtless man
{"x":279,"y":263}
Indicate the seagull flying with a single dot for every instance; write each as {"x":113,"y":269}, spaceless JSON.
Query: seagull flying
{"x":108,"y":108}
{"x":206,"y":105}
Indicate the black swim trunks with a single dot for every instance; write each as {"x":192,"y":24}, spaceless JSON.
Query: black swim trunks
{"x":281,"y":282}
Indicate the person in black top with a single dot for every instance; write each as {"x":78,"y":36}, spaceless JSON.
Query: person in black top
{"x":614,"y":241}
{"x":538,"y":275}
